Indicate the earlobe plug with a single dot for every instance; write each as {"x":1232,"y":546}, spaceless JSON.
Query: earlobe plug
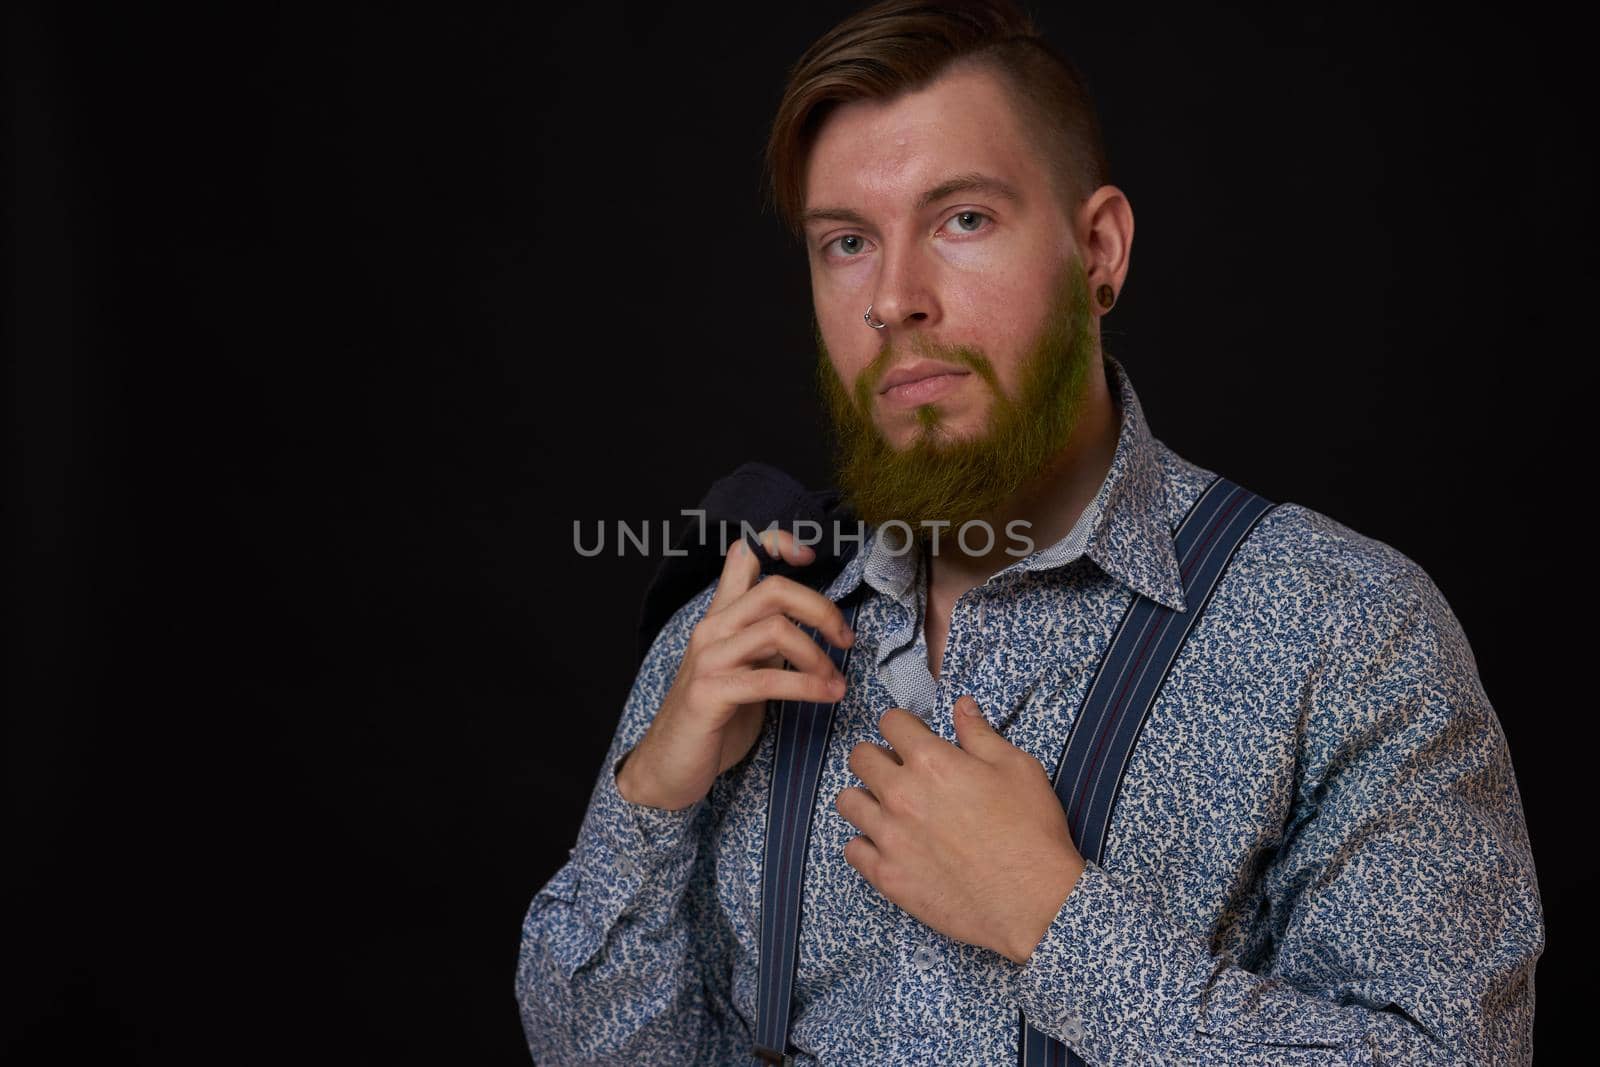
{"x":1106,"y":295}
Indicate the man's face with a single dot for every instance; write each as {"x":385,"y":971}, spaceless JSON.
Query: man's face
{"x":983,"y":285}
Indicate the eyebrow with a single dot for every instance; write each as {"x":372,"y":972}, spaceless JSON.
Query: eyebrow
{"x":962,"y":183}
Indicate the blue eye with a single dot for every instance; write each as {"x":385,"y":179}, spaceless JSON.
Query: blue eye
{"x":967,"y":215}
{"x":852,"y":251}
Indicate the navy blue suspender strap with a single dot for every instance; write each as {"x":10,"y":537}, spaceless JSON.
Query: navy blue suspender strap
{"x":1087,"y":779}
{"x":1124,"y":689}
{"x":803,"y":732}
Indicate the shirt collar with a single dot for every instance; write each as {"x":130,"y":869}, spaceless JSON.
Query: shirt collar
{"x":1133,"y":541}
{"x":1129,"y":539}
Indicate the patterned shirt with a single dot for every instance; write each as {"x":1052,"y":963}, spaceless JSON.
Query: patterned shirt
{"x":901,"y":654}
{"x":1318,"y":853}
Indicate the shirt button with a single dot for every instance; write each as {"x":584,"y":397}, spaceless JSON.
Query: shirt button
{"x":924,"y":958}
{"x":625,"y":865}
{"x":1072,"y":1030}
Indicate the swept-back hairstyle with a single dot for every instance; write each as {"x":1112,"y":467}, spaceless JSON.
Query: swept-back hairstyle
{"x":896,"y":46}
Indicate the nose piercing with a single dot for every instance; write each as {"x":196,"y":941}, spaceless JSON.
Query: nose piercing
{"x":868,"y":317}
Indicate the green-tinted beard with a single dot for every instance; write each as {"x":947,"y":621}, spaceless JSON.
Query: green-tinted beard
{"x":935,"y":478}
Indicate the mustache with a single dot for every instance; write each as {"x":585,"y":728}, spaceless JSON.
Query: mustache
{"x":941,"y":473}
{"x":962,"y":355}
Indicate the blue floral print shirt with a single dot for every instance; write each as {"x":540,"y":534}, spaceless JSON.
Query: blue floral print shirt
{"x":1318,"y":854}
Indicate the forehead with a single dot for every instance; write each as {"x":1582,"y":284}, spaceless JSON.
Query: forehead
{"x":877,"y":155}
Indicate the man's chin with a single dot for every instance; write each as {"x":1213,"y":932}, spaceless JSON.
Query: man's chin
{"x":926,"y":442}
{"x":939,"y":437}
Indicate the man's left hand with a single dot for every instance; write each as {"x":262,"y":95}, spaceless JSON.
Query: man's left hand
{"x":971,"y":839}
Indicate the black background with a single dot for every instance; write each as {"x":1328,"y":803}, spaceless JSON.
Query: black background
{"x":328,"y":323}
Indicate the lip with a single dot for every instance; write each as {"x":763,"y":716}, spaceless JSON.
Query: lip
{"x":915,"y":372}
{"x":924,"y":390}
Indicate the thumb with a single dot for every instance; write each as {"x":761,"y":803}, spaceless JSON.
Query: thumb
{"x":972,"y":729}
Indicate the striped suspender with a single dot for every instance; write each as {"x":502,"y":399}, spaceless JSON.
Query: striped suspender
{"x":803,"y":733}
{"x":1097,"y":751}
{"x":1124,"y":689}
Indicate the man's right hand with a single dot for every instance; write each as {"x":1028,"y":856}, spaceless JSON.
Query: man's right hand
{"x":733,"y":665}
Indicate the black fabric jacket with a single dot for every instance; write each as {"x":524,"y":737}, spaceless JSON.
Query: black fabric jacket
{"x":758,"y":494}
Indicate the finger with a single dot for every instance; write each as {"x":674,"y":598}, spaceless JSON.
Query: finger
{"x":860,"y":809}
{"x":772,"y":683}
{"x":873,"y":764}
{"x":907,"y":732}
{"x":740,"y":569}
{"x":779,"y":595}
{"x":862,"y":854}
{"x":783,"y":544}
{"x":775,"y":635}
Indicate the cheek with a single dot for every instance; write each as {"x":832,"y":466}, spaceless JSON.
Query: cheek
{"x":1004,"y":321}
{"x":844,"y":330}
{"x":848,"y":370}
{"x":838,"y":288}
{"x":999,"y":307}
{"x":985,"y":308}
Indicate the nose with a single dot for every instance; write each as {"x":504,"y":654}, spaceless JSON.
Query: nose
{"x":904,"y":295}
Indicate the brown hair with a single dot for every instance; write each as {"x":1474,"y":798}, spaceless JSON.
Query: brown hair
{"x":895,"y":46}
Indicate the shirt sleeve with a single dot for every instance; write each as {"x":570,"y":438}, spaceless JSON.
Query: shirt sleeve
{"x":622,"y":957}
{"x":1404,"y":900}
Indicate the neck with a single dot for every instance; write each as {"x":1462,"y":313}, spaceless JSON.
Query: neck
{"x":1050,"y":504}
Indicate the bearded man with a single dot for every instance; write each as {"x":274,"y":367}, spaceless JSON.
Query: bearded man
{"x":1196,"y":777}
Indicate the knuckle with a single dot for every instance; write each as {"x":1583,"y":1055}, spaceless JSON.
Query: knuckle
{"x":696,"y":690}
{"x":861,"y":752}
{"x":731,"y":686}
{"x":886,"y":878}
{"x":706,"y":631}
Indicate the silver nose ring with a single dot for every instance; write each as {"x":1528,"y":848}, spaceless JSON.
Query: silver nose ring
{"x":868,"y":317}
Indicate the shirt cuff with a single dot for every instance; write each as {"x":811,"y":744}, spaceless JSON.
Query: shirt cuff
{"x":648,"y":834}
{"x":1110,"y":972}
{"x":1113,"y":974}
{"x":633,"y":857}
